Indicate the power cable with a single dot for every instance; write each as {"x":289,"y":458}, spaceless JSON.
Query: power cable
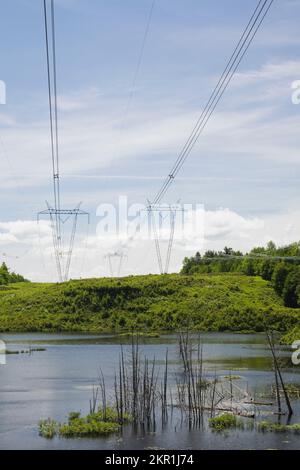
{"x":240,"y":50}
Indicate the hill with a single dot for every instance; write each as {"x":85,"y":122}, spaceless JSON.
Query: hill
{"x":210,"y":302}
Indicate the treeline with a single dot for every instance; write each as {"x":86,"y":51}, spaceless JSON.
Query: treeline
{"x":7,"y":277}
{"x":279,"y":265}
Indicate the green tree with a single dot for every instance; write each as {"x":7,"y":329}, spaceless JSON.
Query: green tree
{"x":248,"y":267}
{"x":279,"y":276}
{"x":4,"y":274}
{"x":291,"y":288}
{"x":267,"y":269}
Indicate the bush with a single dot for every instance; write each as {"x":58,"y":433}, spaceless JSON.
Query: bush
{"x":224,"y":421}
{"x":279,"y":276}
{"x":267,"y":426}
{"x":48,"y":428}
{"x":94,"y":424}
{"x":291,"y":289}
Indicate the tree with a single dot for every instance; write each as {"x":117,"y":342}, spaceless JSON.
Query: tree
{"x":248,"y":267}
{"x":279,"y":276}
{"x":6,"y":277}
{"x":291,"y":288}
{"x":210,"y":254}
{"x":271,"y":247}
{"x":4,"y":274}
{"x":267,"y":269}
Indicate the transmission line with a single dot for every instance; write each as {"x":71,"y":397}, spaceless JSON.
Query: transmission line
{"x":235,"y":59}
{"x":56,"y":214}
{"x":240,"y":50}
{"x":135,"y":74}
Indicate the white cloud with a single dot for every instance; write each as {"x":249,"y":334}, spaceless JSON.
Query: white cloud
{"x":251,"y":121}
{"x":92,"y":144}
{"x":270,"y":71}
{"x":222,"y":227}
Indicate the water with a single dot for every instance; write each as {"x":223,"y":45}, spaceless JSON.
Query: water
{"x":54,"y":382}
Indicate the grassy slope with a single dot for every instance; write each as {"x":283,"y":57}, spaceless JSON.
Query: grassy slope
{"x":208,"y":302}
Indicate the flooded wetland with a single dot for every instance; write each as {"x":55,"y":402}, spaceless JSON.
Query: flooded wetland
{"x":175,"y":395}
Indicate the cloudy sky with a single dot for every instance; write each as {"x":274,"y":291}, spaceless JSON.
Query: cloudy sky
{"x":121,"y":131}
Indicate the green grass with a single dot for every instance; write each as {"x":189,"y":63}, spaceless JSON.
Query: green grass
{"x":292,"y":335}
{"x":92,"y":425}
{"x":224,"y":421}
{"x":48,"y":428}
{"x":267,"y":426}
{"x":207,"y":302}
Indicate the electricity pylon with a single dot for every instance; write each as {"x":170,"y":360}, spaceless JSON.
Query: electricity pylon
{"x":115,"y":269}
{"x":172,"y":211}
{"x":59,"y":217}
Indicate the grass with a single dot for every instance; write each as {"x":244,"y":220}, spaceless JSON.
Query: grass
{"x":267,"y":426}
{"x":82,"y":428}
{"x":224,"y":421}
{"x":92,"y":425}
{"x":207,"y":302}
{"x":232,"y":377}
{"x":48,"y":428}
{"x":292,"y":335}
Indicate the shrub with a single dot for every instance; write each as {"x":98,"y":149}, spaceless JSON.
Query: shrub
{"x":224,"y":421}
{"x":48,"y":428}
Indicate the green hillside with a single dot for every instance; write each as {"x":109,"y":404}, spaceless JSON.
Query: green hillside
{"x":214,"y":302}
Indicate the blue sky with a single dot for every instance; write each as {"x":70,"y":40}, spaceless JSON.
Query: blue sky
{"x":245,"y":169}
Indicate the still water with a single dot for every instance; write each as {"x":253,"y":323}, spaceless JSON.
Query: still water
{"x":59,"y":380}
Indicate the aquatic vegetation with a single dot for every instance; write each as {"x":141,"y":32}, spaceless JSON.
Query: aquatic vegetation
{"x":89,"y":426}
{"x":225,"y":421}
{"x":73,"y":415}
{"x":267,"y":426}
{"x":142,"y":393}
{"x":48,"y":428}
{"x":25,"y":351}
{"x":99,"y":423}
{"x":292,"y":389}
{"x":142,"y":334}
{"x":232,"y":377}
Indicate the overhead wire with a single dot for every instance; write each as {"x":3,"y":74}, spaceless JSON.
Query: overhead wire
{"x":52,"y":89}
{"x":136,"y":73}
{"x":240,"y":50}
{"x":55,"y":104}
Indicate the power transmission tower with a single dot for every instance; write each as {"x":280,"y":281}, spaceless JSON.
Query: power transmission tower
{"x":63,"y":252}
{"x":58,"y":216}
{"x":160,"y":209}
{"x":115,"y":268}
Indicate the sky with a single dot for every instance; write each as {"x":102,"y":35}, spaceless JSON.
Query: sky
{"x":121,"y":131}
